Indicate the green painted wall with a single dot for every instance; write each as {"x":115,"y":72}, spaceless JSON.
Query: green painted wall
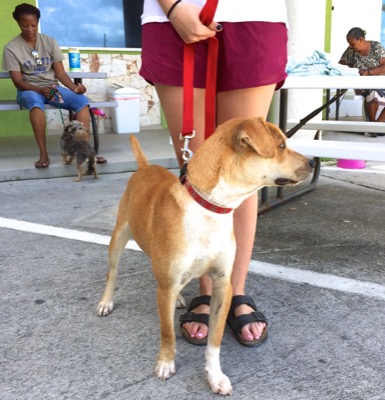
{"x":12,"y":123}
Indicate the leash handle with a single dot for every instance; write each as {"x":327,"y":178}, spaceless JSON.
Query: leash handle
{"x":208,"y":12}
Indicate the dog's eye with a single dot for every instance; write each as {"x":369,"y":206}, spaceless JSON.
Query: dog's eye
{"x":282,"y":145}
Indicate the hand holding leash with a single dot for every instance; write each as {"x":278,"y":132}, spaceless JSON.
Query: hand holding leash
{"x":80,"y":88}
{"x":185,"y":18}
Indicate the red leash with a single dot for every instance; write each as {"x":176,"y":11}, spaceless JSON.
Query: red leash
{"x":206,"y":16}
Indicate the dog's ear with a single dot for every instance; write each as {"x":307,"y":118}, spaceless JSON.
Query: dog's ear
{"x":255,"y":134}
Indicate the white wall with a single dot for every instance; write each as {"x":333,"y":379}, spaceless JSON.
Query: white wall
{"x":347,"y":14}
{"x":307,"y":33}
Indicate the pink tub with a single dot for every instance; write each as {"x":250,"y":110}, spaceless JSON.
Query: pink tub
{"x":351,"y":164}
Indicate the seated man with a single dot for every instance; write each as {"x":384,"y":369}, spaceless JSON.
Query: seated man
{"x":35,"y":64}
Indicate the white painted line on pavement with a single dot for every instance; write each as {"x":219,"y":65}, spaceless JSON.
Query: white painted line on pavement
{"x":295,"y":275}
{"x":60,"y":232}
{"x":326,"y":281}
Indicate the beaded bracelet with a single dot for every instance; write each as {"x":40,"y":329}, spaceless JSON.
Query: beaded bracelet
{"x":172,"y":8}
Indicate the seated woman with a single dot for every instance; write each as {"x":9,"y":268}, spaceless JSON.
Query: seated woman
{"x":369,"y":57}
{"x":35,"y":64}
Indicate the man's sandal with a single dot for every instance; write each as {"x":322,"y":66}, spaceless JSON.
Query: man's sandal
{"x":237,"y":323}
{"x":190,"y":316}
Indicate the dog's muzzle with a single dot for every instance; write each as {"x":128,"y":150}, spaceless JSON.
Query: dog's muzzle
{"x":285,"y":181}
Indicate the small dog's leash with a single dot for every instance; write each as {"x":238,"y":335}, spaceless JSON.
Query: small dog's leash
{"x":55,"y":93}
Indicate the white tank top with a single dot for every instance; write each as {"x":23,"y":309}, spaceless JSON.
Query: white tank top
{"x":227,"y":11}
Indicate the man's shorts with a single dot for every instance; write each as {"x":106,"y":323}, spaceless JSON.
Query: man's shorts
{"x":251,"y":54}
{"x":28,"y":99}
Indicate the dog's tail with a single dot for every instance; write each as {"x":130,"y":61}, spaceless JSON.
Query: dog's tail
{"x":138,"y":152}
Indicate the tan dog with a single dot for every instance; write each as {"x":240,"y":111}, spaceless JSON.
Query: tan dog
{"x":186,"y":237}
{"x":74,"y":144}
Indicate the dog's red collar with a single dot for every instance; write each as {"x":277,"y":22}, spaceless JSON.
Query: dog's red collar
{"x":203,"y":202}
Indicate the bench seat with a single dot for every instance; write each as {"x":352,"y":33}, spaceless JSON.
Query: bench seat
{"x":343,"y":126}
{"x":338,"y":149}
{"x":12,"y":105}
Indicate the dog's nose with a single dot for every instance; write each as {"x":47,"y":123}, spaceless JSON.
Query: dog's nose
{"x":311,"y":163}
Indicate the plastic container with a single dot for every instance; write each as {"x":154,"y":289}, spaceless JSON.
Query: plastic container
{"x":126,"y":117}
{"x":351,"y":164}
{"x":74,"y":59}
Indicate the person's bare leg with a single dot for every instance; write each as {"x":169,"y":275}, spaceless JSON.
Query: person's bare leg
{"x":172,"y":104}
{"x":171,"y":98}
{"x":371,"y":109}
{"x":381,"y":117}
{"x":84,"y":116}
{"x":37,"y":119}
{"x":246,"y":103}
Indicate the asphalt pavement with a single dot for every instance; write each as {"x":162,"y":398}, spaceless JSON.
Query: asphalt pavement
{"x":317,"y":272}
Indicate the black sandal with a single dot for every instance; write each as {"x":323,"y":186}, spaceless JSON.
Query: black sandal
{"x":193,"y":317}
{"x":237,"y":323}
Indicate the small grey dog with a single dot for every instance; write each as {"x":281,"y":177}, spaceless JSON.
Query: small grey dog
{"x":74,"y":144}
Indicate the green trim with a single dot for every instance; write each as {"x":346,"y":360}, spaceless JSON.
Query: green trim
{"x":163,"y":119}
{"x":328,"y":37}
{"x":328,"y":25}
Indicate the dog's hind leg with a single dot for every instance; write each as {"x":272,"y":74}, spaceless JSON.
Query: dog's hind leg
{"x":80,"y":173}
{"x":67,"y":161}
{"x":64,"y":158}
{"x":91,"y":169}
{"x":119,"y":239}
{"x":219,"y":308}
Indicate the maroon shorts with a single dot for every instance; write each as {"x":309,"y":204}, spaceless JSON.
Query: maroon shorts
{"x":251,"y":54}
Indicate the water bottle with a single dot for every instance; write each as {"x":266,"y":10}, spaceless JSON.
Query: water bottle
{"x":74,"y":59}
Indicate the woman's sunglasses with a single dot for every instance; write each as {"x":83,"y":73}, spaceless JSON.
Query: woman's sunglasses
{"x":35,"y":55}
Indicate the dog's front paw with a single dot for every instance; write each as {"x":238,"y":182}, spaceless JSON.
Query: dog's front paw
{"x":104,"y":308}
{"x":220,"y":383}
{"x":165,"y":370}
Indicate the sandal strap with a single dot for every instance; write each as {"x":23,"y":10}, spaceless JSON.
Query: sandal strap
{"x":193,"y":317}
{"x":197,"y":301}
{"x":245,"y":319}
{"x":237,"y":323}
{"x":241,"y":299}
{"x":190,"y":316}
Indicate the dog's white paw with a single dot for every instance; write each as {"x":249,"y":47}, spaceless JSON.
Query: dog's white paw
{"x":165,"y":370}
{"x":104,"y":308}
{"x":220,"y":383}
{"x":180,"y":302}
